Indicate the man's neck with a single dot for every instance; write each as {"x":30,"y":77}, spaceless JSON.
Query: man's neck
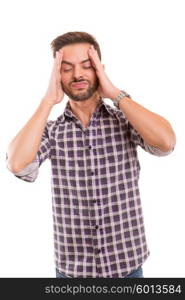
{"x":83,"y":110}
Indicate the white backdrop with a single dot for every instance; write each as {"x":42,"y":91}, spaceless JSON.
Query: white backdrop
{"x":143,"y":48}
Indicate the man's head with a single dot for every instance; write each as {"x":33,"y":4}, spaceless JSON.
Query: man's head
{"x":78,"y":77}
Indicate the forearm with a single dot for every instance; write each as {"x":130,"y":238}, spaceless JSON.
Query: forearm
{"x":154,"y":129}
{"x":23,"y":148}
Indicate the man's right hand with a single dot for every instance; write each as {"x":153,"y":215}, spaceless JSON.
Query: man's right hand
{"x":23,"y":148}
{"x":54,"y":93}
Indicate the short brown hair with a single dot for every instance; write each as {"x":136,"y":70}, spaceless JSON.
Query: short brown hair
{"x":74,"y":37}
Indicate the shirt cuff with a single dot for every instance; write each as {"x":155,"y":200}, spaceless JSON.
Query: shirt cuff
{"x":30,"y":172}
{"x":156,"y":151}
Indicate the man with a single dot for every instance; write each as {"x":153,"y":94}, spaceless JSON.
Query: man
{"x":98,"y":222}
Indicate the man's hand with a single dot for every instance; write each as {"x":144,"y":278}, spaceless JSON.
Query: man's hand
{"x":54,"y":92}
{"x":106,"y":89}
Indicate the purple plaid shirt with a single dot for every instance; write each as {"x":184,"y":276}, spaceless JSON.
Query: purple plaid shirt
{"x":97,"y":214}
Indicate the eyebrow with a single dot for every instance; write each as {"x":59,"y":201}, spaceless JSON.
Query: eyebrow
{"x":69,"y":63}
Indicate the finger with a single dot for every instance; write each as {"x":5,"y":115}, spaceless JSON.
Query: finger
{"x":93,"y":49}
{"x":59,"y":55}
{"x":93,"y":58}
{"x":58,"y":61}
{"x":93,"y":52}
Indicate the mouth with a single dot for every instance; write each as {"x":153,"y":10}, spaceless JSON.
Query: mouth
{"x":79,"y":85}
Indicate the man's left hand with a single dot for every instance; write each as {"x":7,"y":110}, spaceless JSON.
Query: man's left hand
{"x":106,"y":89}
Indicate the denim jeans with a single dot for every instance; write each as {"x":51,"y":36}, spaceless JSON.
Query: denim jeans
{"x":135,"y":274}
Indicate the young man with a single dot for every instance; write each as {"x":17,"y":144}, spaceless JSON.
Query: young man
{"x":98,"y":222}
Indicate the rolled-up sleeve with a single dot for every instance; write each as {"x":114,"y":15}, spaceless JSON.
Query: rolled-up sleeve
{"x":31,"y":171}
{"x":138,"y":140}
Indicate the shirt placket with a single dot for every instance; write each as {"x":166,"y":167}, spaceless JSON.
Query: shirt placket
{"x":94,"y":203}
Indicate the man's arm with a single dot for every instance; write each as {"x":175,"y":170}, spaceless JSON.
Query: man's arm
{"x":23,"y":148}
{"x":154,"y":129}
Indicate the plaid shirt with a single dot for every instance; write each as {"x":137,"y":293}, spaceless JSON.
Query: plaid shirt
{"x":98,"y":221}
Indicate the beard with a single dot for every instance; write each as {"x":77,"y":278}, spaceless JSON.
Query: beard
{"x":81,"y":95}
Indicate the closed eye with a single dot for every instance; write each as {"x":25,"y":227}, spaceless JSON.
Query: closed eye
{"x":87,"y":67}
{"x":67,"y":70}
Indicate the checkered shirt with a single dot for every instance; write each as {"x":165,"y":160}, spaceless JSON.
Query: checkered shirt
{"x":97,"y":213}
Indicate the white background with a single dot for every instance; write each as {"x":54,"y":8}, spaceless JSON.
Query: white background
{"x":143,"y":48}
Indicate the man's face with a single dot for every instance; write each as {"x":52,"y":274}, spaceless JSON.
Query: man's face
{"x":78,"y":77}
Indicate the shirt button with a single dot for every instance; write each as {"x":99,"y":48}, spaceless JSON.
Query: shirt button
{"x":98,"y":251}
{"x":90,"y":146}
{"x":92,"y":173}
{"x":96,"y":227}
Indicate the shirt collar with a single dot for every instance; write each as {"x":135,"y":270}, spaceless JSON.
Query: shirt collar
{"x":68,"y":113}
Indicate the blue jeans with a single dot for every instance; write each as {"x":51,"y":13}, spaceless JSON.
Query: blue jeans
{"x":135,"y":274}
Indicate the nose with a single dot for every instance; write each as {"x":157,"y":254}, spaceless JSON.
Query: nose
{"x":77,"y":73}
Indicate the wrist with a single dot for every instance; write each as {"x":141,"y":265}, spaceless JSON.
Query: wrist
{"x":122,"y":95}
{"x":46,"y":103}
{"x":115,"y":93}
